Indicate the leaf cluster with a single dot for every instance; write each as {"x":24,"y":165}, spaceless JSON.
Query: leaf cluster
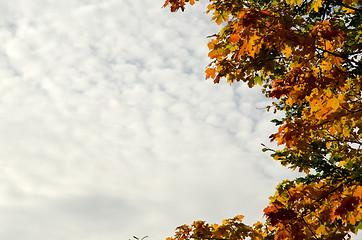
{"x":307,"y":56}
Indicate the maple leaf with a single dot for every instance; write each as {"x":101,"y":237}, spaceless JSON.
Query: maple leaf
{"x":347,"y":205}
{"x":234,"y":38}
{"x":276,"y":215}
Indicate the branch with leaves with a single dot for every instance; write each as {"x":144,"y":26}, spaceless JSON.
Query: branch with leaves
{"x":306,"y":55}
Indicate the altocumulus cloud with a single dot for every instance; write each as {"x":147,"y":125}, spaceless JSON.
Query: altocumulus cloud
{"x":108,"y":129}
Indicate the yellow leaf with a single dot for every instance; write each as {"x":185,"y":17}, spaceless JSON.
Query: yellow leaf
{"x":338,"y":128}
{"x":289,"y":101}
{"x":328,"y":92}
{"x":287,"y":51}
{"x":334,"y":103}
{"x":358,"y":191}
{"x":317,"y":4}
{"x":352,"y":219}
{"x":329,"y":46}
{"x":253,"y":46}
{"x":346,"y":131}
{"x":332,"y":130}
{"x":342,"y":163}
{"x":325,"y":65}
{"x":219,"y":20}
{"x":341,"y":97}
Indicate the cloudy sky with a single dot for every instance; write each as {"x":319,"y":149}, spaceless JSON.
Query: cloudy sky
{"x":109,"y":130}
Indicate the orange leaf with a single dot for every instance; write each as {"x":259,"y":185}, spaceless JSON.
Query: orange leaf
{"x":358,"y":192}
{"x":234,"y":38}
{"x":210,"y":73}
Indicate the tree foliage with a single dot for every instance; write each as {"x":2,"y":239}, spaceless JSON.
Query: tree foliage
{"x":307,"y":55}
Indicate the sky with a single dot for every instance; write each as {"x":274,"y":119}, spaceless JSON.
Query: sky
{"x":109,"y":129}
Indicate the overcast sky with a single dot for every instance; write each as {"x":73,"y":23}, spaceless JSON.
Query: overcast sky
{"x":109,"y":130}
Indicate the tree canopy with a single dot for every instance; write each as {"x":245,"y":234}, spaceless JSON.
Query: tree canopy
{"x":307,"y":56}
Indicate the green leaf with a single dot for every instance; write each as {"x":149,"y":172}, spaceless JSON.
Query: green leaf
{"x":258,"y":80}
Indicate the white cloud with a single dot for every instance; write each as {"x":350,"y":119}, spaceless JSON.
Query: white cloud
{"x":109,"y":130}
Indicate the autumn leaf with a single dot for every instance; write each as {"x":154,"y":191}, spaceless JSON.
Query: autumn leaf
{"x":210,"y":73}
{"x":234,"y":38}
{"x":287,"y":51}
{"x":334,"y":103}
